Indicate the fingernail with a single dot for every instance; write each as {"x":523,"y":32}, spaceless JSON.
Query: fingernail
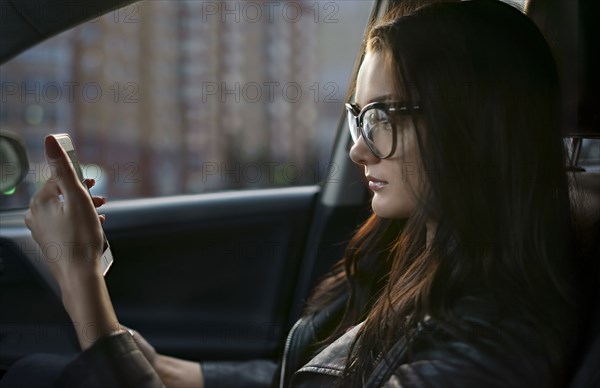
{"x":52,"y":147}
{"x":103,"y":199}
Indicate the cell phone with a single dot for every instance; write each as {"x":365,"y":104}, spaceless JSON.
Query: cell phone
{"x":67,"y":144}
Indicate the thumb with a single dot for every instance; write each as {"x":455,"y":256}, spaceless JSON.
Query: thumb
{"x":62,"y":169}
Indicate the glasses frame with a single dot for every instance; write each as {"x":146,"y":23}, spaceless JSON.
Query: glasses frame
{"x":401,"y":108}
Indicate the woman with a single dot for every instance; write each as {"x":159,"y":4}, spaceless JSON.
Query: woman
{"x":462,"y":275}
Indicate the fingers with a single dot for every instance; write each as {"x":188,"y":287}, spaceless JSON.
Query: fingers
{"x":63,"y":173}
{"x":89,"y":182}
{"x":44,"y":200}
{"x":49,"y":192}
{"x":98,"y":201}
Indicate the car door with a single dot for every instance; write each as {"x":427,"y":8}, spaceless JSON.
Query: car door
{"x":215,"y":253}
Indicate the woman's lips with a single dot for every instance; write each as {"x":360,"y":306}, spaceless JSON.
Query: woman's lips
{"x":376,"y":184}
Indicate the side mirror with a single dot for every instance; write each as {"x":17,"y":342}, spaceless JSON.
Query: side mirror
{"x":13,"y":161}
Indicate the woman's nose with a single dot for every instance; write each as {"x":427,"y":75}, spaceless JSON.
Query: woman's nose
{"x":360,"y":153}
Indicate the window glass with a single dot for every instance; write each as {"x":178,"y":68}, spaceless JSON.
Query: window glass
{"x":589,"y":157}
{"x":180,"y":97}
{"x":518,"y":3}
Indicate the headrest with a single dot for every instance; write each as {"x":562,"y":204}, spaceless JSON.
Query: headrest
{"x":585,"y":198}
{"x":567,"y":26}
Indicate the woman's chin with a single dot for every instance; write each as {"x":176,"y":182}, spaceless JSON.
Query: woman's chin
{"x":384,"y":209}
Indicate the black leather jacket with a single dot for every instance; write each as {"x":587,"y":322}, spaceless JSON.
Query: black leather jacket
{"x":498,"y":352}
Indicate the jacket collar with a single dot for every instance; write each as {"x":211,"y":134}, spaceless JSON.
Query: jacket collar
{"x":332,"y":359}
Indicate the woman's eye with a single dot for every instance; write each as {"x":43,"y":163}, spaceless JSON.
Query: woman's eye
{"x":378,"y":120}
{"x":382,"y":125}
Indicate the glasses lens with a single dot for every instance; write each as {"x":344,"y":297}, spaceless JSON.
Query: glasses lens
{"x":352,"y":124}
{"x":378,"y":130}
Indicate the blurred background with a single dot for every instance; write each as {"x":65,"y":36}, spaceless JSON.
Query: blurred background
{"x":178,"y":97}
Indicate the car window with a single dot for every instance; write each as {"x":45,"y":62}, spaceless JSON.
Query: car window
{"x":589,"y":157}
{"x":180,"y":97}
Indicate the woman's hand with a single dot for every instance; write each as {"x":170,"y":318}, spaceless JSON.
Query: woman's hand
{"x":144,"y":346}
{"x":97,"y":201}
{"x":67,"y":229}
{"x":63,"y":221}
{"x":173,"y":372}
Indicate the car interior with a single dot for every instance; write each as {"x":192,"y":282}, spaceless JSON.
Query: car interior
{"x":224,"y":275}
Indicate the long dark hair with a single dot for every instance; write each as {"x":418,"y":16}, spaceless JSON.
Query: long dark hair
{"x":494,"y":162}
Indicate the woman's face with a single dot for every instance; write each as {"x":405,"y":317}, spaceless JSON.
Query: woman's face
{"x":395,"y":181}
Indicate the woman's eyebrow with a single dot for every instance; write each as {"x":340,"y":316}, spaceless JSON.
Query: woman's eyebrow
{"x":385,"y":97}
{"x":382,"y":98}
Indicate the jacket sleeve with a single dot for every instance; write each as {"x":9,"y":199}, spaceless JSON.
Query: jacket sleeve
{"x":240,"y":374}
{"x":114,"y":361}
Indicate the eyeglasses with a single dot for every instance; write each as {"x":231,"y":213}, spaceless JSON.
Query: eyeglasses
{"x":376,"y":125}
